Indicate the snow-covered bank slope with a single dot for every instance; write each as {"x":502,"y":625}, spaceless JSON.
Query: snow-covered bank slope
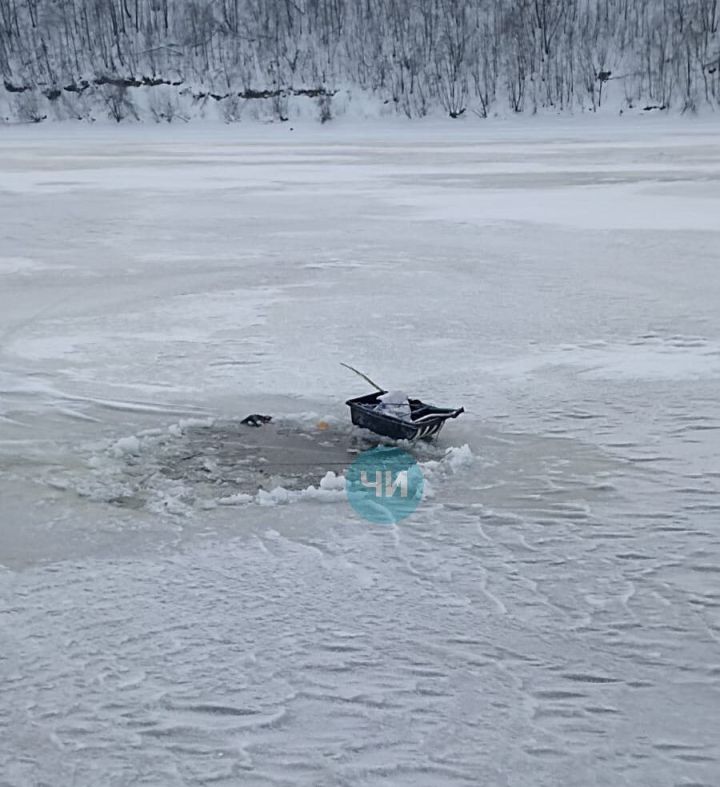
{"x":167,"y":59}
{"x":156,"y":100}
{"x":170,"y":103}
{"x":549,"y":616}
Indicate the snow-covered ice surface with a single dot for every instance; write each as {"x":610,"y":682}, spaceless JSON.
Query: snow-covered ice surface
{"x":187,"y":601}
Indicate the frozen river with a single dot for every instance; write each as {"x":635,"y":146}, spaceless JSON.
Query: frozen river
{"x":182,"y":604}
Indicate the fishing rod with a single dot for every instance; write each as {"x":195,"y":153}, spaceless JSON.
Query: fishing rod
{"x":364,"y":376}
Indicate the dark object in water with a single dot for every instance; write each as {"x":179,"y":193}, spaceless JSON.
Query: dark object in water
{"x":256,"y":419}
{"x":423,"y":420}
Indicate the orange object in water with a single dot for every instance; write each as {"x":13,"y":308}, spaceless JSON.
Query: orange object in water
{"x":323,"y":425}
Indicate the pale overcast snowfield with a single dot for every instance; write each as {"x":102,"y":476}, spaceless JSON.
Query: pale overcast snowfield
{"x":551,"y":613}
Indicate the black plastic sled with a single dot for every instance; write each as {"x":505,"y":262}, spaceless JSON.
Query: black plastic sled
{"x":424,"y":420}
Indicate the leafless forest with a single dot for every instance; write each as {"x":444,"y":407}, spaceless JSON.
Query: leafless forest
{"x":174,"y":59}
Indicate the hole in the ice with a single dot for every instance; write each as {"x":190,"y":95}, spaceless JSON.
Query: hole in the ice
{"x":198,"y":465}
